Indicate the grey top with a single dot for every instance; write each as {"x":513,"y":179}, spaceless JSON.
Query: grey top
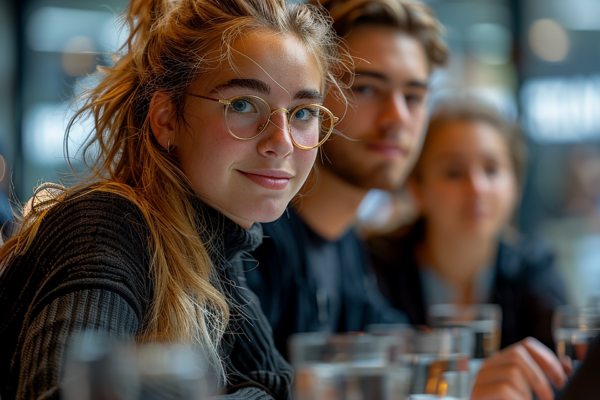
{"x":437,"y":291}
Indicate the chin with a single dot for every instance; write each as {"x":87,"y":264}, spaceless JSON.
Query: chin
{"x":479,"y":230}
{"x":384,"y":182}
{"x":265,"y":212}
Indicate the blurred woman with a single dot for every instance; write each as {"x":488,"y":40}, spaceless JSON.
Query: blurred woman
{"x":208,"y":122}
{"x":466,"y":185}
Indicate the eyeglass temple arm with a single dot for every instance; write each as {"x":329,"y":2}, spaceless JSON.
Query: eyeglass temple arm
{"x":210,"y":98}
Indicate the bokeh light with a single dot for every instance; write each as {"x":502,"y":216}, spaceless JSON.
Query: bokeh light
{"x":549,"y":40}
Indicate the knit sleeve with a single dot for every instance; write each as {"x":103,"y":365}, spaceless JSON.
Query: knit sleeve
{"x":92,"y":243}
{"x":44,"y":353}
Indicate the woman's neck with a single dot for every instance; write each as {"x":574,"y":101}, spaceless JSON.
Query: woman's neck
{"x":330,"y":207}
{"x":457,"y":259}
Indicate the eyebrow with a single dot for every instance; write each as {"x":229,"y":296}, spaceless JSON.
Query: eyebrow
{"x":253,"y":84}
{"x":417,"y":83}
{"x":310,"y":94}
{"x":262,"y":87}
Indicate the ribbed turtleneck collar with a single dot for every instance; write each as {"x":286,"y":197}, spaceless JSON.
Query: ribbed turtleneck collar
{"x":223,"y":237}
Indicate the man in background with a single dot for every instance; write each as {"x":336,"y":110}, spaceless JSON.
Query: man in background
{"x":313,"y":273}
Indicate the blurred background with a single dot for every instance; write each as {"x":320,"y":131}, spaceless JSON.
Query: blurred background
{"x":538,"y":61}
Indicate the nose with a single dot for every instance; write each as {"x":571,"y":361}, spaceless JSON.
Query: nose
{"x":394,"y":112}
{"x":477,"y":182}
{"x":276,"y":140}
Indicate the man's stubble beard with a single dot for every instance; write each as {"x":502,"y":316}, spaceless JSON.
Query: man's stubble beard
{"x":353,"y":173}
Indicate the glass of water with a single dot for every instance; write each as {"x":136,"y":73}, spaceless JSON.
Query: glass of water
{"x":440,"y":362}
{"x":484,"y":320}
{"x":574,"y":329}
{"x":102,"y":367}
{"x":343,"y":367}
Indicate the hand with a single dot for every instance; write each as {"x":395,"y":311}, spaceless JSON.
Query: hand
{"x":517,"y":371}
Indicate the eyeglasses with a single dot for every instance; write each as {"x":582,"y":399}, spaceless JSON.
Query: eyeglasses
{"x":246,"y":117}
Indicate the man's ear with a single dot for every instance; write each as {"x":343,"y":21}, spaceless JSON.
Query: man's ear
{"x":161,"y":114}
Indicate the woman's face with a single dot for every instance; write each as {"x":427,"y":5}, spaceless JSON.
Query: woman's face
{"x":467,"y":184}
{"x":251,"y":181}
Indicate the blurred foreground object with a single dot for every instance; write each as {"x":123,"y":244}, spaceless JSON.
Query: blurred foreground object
{"x":575,"y":328}
{"x":439,"y":359}
{"x":390,"y":362}
{"x":104,"y":368}
{"x":353,"y":366}
{"x":484,"y":320}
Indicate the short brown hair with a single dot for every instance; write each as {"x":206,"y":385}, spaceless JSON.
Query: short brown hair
{"x":470,"y":108}
{"x":409,"y":16}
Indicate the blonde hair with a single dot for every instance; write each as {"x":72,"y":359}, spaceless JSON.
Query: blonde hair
{"x":170,"y":44}
{"x":409,"y":16}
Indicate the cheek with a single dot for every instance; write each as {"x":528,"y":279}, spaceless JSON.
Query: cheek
{"x":356,"y":122}
{"x":505,"y":193}
{"x":443,"y":198}
{"x":207,"y":156}
{"x":420,"y":122}
{"x":304,"y":161}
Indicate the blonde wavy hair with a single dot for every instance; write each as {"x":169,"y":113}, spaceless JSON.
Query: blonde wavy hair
{"x":171,"y":44}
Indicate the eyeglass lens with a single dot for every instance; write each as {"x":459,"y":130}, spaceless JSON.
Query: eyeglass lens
{"x":247,"y":116}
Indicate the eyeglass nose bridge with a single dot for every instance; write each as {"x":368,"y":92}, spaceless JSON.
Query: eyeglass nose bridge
{"x":287,"y":114}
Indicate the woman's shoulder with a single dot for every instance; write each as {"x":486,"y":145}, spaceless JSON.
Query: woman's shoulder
{"x":95,"y":200}
{"x":525,"y":255}
{"x":84,"y":209}
{"x":83,"y":222}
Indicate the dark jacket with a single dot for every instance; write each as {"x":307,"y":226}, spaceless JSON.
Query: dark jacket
{"x":285,"y":281}
{"x":526,"y":284}
{"x":88,"y":267}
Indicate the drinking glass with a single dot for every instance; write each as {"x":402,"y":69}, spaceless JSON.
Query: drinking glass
{"x":440,"y":362}
{"x":102,"y":367}
{"x":484,"y":320}
{"x":343,"y":367}
{"x":574,"y":329}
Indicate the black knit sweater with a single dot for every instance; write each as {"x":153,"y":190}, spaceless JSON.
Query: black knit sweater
{"x":88,"y":268}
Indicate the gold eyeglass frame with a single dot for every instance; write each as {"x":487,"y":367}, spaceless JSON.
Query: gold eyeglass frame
{"x":289,"y":111}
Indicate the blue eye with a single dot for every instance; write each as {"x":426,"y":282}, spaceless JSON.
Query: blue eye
{"x":242,"y":106}
{"x":304,"y":114}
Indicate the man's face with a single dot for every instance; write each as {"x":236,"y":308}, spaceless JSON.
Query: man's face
{"x":386,"y":128}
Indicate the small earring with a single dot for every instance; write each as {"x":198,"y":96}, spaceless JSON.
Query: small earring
{"x":169,"y":146}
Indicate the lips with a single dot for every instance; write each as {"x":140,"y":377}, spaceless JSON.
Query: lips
{"x":269,"y":179}
{"x":387,"y":149}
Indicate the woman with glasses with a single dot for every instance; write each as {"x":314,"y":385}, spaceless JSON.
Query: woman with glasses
{"x":208,"y":122}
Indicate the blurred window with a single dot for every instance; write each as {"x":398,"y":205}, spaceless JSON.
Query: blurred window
{"x":64,"y":43}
